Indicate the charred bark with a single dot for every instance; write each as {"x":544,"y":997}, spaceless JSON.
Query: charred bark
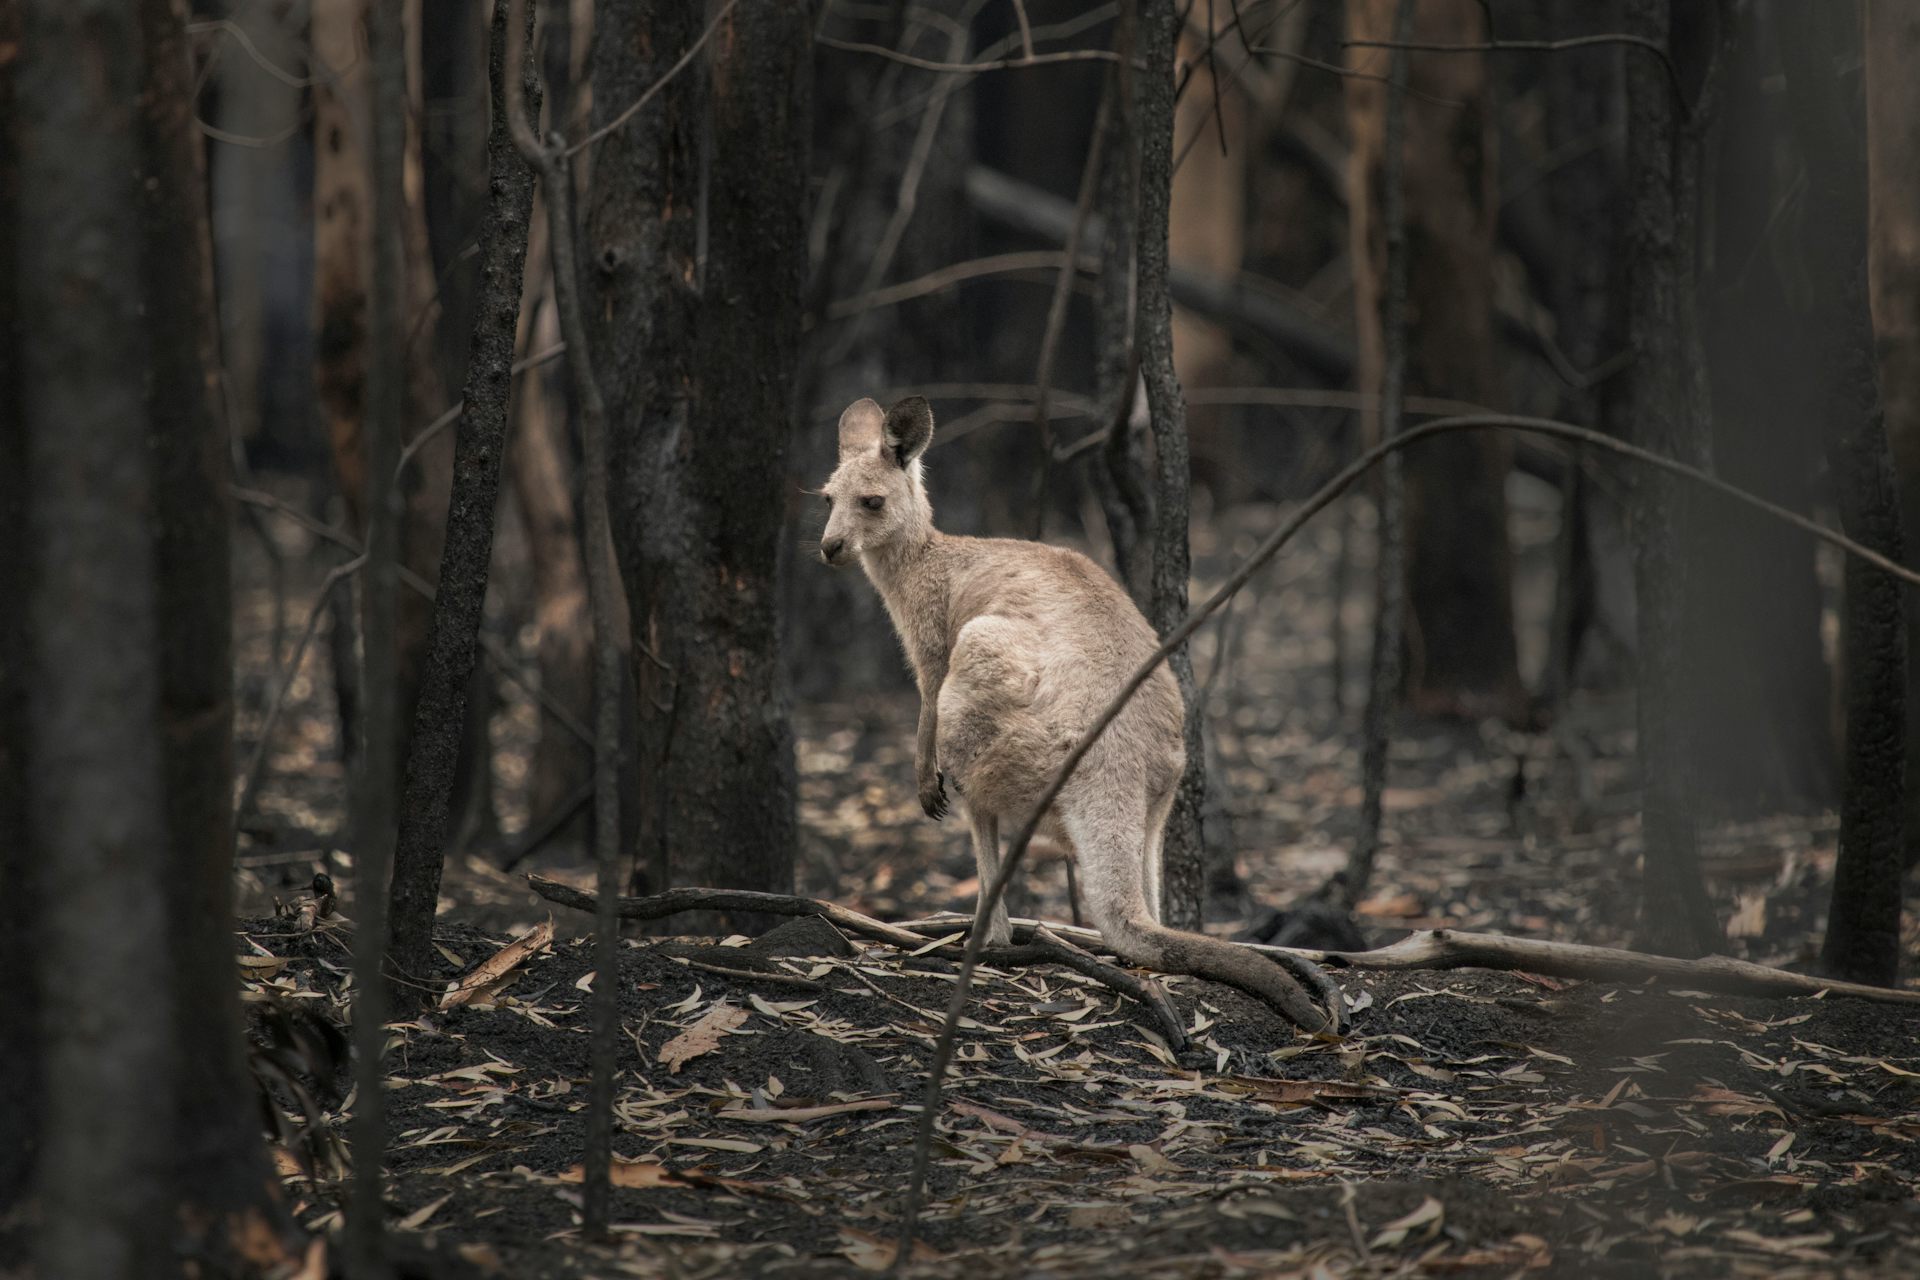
{"x":225,"y":1199}
{"x":21,"y":1077}
{"x":1185,"y":867}
{"x":95,"y":780}
{"x":440,"y":718}
{"x":376,"y":780}
{"x":1384,"y":669}
{"x":1893,"y":142}
{"x":1667,"y":409}
{"x":699,"y":391}
{"x":1863,"y":922}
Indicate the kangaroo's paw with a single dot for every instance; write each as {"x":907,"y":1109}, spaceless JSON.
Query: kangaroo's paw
{"x":933,"y":795}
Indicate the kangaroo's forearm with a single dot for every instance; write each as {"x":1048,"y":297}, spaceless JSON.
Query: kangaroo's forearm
{"x":932,"y":676}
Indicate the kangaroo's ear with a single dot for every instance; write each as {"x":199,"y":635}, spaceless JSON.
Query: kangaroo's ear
{"x":860,"y":428}
{"x":909,"y":429}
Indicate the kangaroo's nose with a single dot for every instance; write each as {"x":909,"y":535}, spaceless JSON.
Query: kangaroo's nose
{"x":830,"y":549}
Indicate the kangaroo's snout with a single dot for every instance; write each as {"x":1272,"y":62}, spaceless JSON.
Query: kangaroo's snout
{"x":832,"y":549}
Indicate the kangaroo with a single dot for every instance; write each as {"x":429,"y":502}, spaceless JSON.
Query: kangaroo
{"x":1017,"y":647}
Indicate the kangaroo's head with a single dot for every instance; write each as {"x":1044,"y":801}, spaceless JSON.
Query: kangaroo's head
{"x":875,"y":496}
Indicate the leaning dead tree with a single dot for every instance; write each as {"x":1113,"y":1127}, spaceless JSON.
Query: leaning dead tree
{"x":440,"y":716}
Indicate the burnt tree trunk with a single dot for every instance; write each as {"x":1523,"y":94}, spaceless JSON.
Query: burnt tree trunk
{"x":1893,"y":252}
{"x":21,"y":1078}
{"x":1461,"y":657}
{"x":224,"y":1198}
{"x":1384,"y":669}
{"x":1863,"y":923}
{"x":95,"y":795}
{"x":440,"y":719}
{"x":699,"y":389}
{"x":1668,"y":415}
{"x":1184,"y":872}
{"x":376,"y":778}
{"x":1762,"y":730}
{"x":344,"y":125}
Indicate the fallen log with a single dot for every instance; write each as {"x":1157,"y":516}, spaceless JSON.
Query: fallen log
{"x":1456,"y":949}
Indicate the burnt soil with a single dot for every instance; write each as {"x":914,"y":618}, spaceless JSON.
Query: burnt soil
{"x":1474,"y":1123}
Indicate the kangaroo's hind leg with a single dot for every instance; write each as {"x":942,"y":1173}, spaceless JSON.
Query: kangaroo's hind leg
{"x":986,"y":860}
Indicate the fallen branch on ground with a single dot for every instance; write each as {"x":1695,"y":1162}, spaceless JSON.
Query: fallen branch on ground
{"x":1037,"y":943}
{"x":1455,"y":949}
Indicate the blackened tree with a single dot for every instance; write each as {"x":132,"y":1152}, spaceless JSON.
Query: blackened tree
{"x":699,"y":355}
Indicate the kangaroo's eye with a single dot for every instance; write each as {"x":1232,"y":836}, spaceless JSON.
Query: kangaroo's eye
{"x":873,"y":504}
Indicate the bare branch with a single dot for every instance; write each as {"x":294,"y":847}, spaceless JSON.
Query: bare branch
{"x":999,"y":264}
{"x":1544,"y":46}
{"x":652,"y":89}
{"x":969,"y":68}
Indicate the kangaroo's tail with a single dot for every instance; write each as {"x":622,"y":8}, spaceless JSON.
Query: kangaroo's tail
{"x":1152,"y":946}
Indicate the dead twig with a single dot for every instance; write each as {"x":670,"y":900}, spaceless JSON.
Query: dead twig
{"x":256,"y":764}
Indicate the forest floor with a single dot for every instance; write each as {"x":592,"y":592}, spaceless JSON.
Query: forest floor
{"x":1474,"y":1123}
